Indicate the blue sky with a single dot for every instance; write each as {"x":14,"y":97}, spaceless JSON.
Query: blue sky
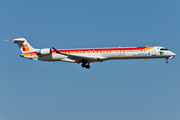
{"x":119,"y":89}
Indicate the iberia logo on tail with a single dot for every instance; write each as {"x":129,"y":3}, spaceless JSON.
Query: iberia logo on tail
{"x":25,"y":47}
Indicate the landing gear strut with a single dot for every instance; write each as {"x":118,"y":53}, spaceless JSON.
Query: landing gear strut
{"x":166,"y":61}
{"x":85,"y":65}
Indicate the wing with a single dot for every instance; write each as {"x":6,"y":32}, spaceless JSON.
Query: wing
{"x":80,"y":59}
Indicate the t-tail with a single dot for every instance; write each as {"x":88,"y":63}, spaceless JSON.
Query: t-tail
{"x":24,"y":46}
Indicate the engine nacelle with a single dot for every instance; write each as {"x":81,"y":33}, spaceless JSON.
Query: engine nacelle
{"x":45,"y":51}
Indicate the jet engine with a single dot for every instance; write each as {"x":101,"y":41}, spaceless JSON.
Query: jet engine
{"x":45,"y":51}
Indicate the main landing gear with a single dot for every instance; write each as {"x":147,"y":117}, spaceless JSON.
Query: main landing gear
{"x":85,"y":65}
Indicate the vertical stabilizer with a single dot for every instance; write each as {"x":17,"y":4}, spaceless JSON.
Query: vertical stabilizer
{"x":23,"y":45}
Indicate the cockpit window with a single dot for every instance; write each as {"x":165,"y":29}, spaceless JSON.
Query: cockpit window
{"x":163,"y":49}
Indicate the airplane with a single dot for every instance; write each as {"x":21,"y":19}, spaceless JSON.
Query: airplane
{"x":89,"y":55}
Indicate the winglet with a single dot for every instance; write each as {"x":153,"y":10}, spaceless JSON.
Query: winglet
{"x":56,"y":50}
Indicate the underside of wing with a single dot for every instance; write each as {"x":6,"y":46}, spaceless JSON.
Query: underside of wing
{"x":80,"y":59}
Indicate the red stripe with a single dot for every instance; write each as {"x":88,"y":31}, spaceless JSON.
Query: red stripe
{"x":23,"y":48}
{"x":95,"y":49}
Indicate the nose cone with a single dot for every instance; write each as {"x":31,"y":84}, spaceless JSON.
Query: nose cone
{"x":173,"y":54}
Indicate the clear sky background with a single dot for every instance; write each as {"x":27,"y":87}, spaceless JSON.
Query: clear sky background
{"x":111,"y":90}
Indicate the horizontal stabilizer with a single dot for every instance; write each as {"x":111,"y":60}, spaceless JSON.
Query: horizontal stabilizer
{"x":17,"y":40}
{"x":23,"y":45}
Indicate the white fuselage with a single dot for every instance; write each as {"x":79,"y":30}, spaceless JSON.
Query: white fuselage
{"x":102,"y":54}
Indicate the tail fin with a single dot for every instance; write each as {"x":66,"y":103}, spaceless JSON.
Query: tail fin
{"x":23,"y":45}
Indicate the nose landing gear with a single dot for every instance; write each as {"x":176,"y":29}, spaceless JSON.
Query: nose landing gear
{"x":166,"y":61}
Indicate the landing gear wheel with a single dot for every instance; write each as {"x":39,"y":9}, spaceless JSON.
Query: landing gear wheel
{"x":83,"y":65}
{"x":88,"y":66}
{"x":166,"y":62}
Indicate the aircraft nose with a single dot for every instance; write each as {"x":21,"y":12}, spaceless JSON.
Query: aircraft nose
{"x":173,"y":54}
